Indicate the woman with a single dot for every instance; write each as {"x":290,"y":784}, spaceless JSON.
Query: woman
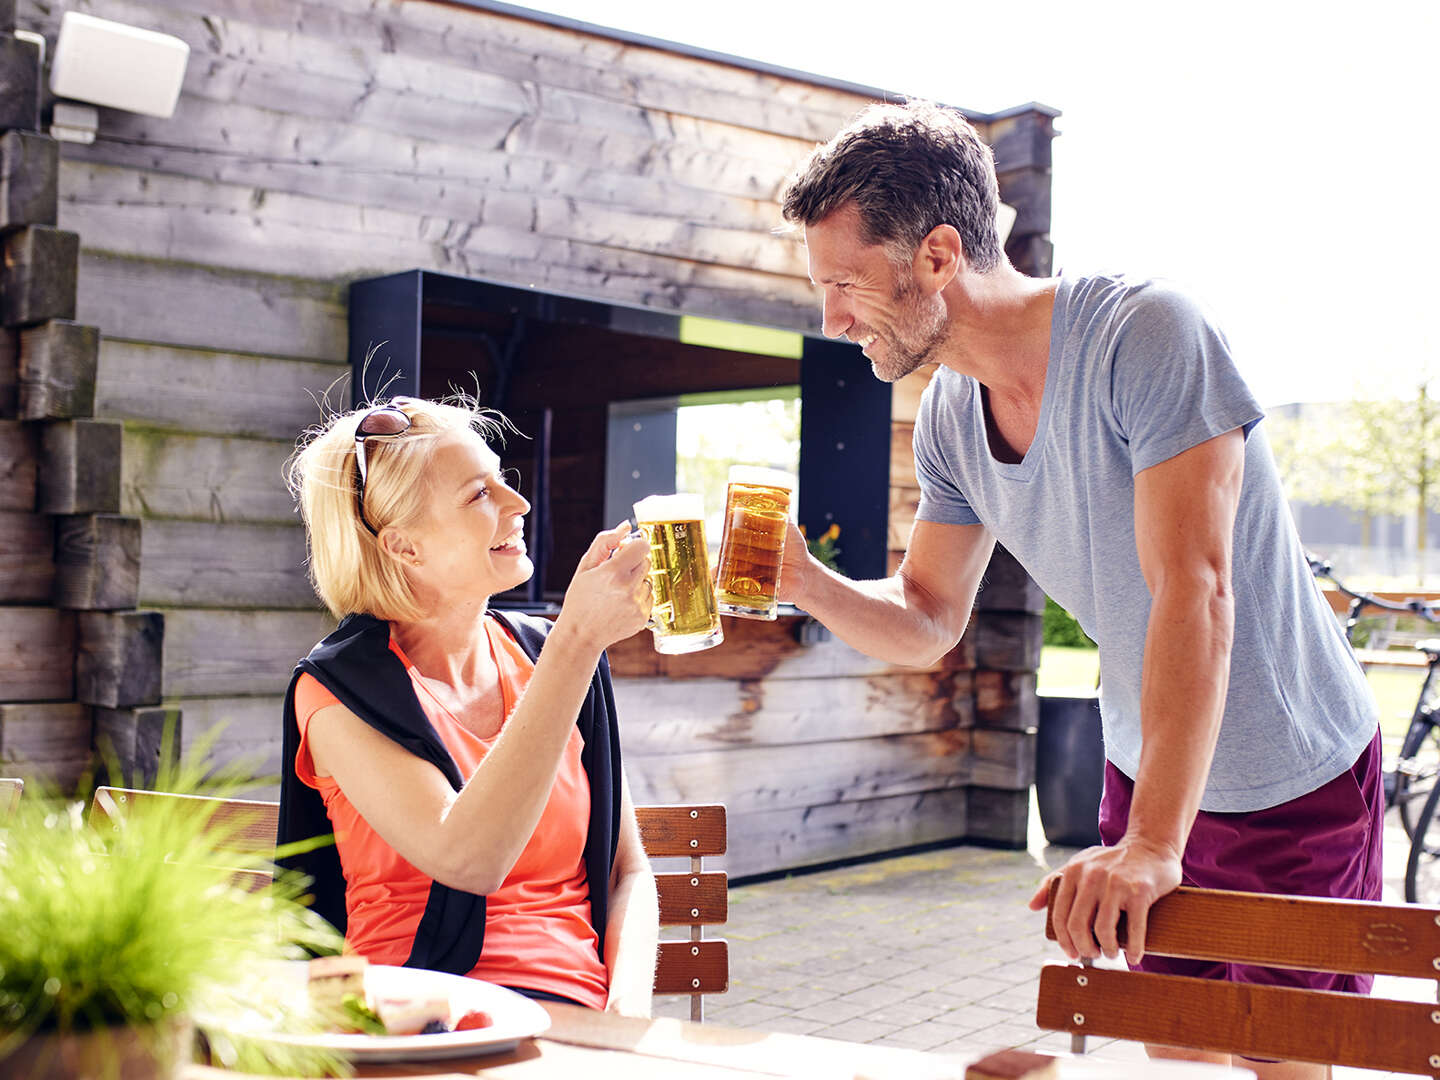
{"x":472,"y":780}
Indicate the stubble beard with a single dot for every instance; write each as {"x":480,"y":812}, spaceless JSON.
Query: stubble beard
{"x":917,"y":335}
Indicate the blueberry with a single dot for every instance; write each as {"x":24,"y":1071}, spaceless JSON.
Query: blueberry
{"x":434,"y":1027}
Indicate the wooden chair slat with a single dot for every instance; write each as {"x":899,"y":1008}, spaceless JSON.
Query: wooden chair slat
{"x":693,"y":967}
{"x":682,"y":830}
{"x":1258,"y":1021}
{"x":1348,"y":936}
{"x":10,"y":790}
{"x":247,"y":825}
{"x":692,"y":899}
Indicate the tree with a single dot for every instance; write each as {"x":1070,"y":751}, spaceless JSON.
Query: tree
{"x":1375,"y":457}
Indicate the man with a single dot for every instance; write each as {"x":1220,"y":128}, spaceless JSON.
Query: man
{"x":1097,"y":427}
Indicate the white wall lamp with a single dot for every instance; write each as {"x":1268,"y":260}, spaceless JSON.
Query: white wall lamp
{"x":109,"y":63}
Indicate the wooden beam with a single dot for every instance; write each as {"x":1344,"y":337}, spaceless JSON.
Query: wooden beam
{"x":49,"y":742}
{"x":118,"y":663}
{"x":57,"y":370}
{"x":1023,"y":141}
{"x":211,"y":652}
{"x":29,"y":179}
{"x":1006,"y":699}
{"x":97,"y":562}
{"x":19,"y":83}
{"x":27,"y":558}
{"x":1007,"y":641}
{"x":9,"y":373}
{"x":131,"y":742}
{"x":999,"y":816}
{"x":38,"y":275}
{"x":37,"y":654}
{"x":79,"y":467}
{"x":1007,"y":587}
{"x":19,"y":462}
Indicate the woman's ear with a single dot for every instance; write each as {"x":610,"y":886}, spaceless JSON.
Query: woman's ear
{"x":399,"y":546}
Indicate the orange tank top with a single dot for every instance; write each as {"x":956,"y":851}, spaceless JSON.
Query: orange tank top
{"x":539,"y":933}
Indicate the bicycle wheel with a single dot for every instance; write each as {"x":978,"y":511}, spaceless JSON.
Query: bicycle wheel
{"x":1422,"y":870}
{"x":1415,"y":776}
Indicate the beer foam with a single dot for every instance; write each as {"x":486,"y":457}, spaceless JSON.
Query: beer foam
{"x":670,"y":508}
{"x":757,"y":474}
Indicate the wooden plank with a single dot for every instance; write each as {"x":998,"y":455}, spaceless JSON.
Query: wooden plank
{"x":997,"y":816}
{"x":218,"y":653}
{"x":681,"y":965}
{"x":79,"y":468}
{"x":208,"y":307}
{"x":27,"y":558}
{"x":97,"y":561}
{"x":241,"y":825}
{"x":706,"y":260}
{"x":769,"y":650}
{"x":904,"y":502}
{"x":264,"y":397}
{"x":19,"y":83}
{"x":1006,"y":699}
{"x":1275,"y":1022}
{"x":37,"y":654}
{"x":1022,"y":141}
{"x":690,"y":830}
{"x":688,"y":899}
{"x":242,"y":733}
{"x":48,"y":742}
{"x":1348,"y":936}
{"x":118,"y":659}
{"x":771,"y":840}
{"x":211,"y":564}
{"x":1392,"y":658}
{"x":664,"y":716}
{"x":1340,"y":603}
{"x":752,"y":779}
{"x":57,"y":370}
{"x":19,"y":462}
{"x":902,"y":455}
{"x":166,"y":474}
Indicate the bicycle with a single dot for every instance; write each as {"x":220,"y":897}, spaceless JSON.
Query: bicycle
{"x":1409,"y":784}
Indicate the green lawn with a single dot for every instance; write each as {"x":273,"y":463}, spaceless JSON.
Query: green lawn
{"x":1396,"y":689}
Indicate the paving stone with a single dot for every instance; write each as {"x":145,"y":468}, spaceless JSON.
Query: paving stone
{"x":747,"y":1014}
{"x":798,"y":997}
{"x":835,"y":1012}
{"x":858,"y":1030}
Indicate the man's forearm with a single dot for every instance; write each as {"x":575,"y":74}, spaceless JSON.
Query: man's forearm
{"x":889,"y":619}
{"x":1186,"y":674}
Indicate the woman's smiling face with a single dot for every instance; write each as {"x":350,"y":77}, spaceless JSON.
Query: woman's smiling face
{"x":470,"y":540}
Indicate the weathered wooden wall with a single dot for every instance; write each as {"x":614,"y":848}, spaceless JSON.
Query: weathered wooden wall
{"x":323,"y":141}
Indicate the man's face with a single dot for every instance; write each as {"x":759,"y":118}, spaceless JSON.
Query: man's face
{"x":871,"y":300}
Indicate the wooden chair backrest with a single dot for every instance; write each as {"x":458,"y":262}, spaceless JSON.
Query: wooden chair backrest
{"x":10,"y":790}
{"x":1346,"y":936}
{"x":247,"y":825}
{"x":696,"y":898}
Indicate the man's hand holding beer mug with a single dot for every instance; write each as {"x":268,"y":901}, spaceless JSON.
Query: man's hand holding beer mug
{"x":688,"y":603}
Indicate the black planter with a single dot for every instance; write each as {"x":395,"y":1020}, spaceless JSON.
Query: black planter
{"x":1069,"y":769}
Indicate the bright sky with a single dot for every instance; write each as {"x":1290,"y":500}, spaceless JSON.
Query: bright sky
{"x":1276,"y":157}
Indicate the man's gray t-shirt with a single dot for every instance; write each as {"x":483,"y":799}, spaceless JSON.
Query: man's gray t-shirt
{"x":1136,"y":375}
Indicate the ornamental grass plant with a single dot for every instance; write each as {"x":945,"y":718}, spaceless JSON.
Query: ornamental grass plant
{"x":124,"y":937}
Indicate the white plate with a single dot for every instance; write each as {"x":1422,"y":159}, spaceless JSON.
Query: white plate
{"x":516,"y":1017}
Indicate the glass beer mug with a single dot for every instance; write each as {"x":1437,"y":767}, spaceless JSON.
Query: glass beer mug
{"x":683,"y":618}
{"x":757,"y":514}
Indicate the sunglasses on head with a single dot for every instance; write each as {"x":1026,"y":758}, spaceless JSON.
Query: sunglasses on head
{"x":381,"y":422}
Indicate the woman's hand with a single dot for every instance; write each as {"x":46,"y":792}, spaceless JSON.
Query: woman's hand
{"x":609,"y":597}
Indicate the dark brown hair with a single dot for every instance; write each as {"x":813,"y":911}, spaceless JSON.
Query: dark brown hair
{"x":907,"y":168}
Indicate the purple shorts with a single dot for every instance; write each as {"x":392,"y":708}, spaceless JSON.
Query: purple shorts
{"x":1325,"y":843}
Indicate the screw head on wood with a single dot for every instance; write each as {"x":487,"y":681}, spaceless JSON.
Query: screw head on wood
{"x":1082,"y":980}
{"x":1079,"y":1018}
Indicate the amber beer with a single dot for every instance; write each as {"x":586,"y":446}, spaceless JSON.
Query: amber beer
{"x":757,"y":513}
{"x":683,"y":617}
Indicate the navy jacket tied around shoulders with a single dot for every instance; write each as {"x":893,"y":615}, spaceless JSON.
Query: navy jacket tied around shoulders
{"x":355,"y":664}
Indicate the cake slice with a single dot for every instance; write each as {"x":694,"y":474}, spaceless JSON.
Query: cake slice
{"x":332,"y":978}
{"x":1013,"y":1065}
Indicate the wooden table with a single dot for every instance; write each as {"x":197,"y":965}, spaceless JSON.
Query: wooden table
{"x":586,"y":1045}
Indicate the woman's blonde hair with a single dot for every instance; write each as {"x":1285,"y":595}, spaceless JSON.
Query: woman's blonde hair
{"x":349,"y":571}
